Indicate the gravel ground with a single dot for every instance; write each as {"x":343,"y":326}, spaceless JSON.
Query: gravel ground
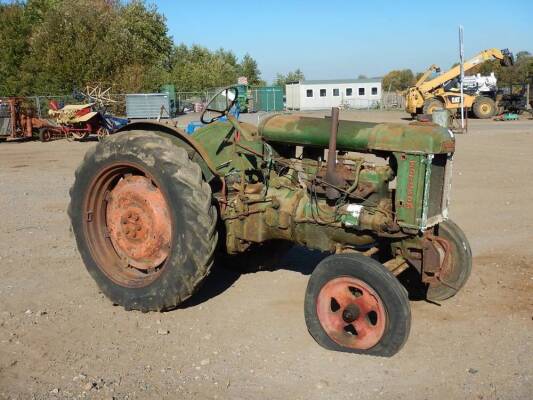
{"x":244,"y":336}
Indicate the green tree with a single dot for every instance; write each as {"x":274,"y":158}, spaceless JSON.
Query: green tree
{"x":293,"y":76}
{"x":398,"y":80}
{"x":197,"y":68}
{"x":250,"y":70}
{"x":56,"y":46}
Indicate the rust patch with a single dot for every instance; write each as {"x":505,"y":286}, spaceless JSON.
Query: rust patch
{"x":138,"y":221}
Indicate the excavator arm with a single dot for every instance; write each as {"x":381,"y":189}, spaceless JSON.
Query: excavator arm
{"x":505,"y":57}
{"x":425,"y":75}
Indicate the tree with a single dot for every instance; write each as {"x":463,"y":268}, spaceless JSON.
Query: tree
{"x":197,"y":68}
{"x":56,"y":46}
{"x":361,"y":76}
{"x":295,"y":76}
{"x":522,"y":55}
{"x":250,"y":70}
{"x":15,"y":31}
{"x":398,"y":80}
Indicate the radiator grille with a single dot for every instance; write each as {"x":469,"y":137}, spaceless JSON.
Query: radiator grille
{"x":437,"y":185}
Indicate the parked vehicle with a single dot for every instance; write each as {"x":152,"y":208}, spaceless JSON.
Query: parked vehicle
{"x":430,"y":94}
{"x":152,"y":207}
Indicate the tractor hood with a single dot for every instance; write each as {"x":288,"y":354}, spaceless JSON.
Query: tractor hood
{"x":416,"y":137}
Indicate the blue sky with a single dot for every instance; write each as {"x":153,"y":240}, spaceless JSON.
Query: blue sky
{"x":342,"y":39}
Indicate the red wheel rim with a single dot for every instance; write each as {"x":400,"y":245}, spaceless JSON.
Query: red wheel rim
{"x":138,"y":222}
{"x":128,"y":225}
{"x":351,"y":313}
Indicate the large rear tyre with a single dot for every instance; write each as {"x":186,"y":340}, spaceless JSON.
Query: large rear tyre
{"x":484,"y":108}
{"x":354,"y":304}
{"x":144,"y":221}
{"x":460,"y":266}
{"x":431,"y":105}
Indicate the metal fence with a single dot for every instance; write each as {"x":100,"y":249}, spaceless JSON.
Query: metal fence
{"x":195,"y":100}
{"x":392,"y":101}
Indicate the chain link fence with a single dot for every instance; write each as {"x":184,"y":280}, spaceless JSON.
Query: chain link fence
{"x":194,"y":101}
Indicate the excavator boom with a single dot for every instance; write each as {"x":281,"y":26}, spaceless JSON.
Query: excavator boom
{"x":504,"y":56}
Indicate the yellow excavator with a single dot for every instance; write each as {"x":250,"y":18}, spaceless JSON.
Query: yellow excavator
{"x":430,"y":94}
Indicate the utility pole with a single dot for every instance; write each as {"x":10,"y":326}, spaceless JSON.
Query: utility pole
{"x":461,"y":58}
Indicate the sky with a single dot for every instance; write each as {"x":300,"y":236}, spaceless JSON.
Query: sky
{"x":342,"y":39}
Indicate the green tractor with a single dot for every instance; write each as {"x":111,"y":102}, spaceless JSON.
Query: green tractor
{"x":152,"y":208}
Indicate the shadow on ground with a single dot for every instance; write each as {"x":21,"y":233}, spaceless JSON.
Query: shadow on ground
{"x":226,"y":271}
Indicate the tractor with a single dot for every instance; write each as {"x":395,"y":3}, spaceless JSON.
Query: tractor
{"x":153,"y":208}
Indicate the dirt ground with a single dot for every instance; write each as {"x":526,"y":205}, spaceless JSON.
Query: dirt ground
{"x":244,"y":336}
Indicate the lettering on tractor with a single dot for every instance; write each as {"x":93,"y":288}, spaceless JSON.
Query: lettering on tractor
{"x":152,"y":208}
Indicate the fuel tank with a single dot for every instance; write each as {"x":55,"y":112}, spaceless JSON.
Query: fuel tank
{"x":415,"y":138}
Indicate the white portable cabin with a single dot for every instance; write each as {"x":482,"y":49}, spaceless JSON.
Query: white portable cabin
{"x":323,"y":94}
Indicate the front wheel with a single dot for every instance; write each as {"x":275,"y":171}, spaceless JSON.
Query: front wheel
{"x":431,"y":105}
{"x":458,"y":269}
{"x":144,"y":221}
{"x":354,"y":304}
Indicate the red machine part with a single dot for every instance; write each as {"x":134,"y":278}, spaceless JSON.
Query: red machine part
{"x":351,"y":313}
{"x":138,"y":222}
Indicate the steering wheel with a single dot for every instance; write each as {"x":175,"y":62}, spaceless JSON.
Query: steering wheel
{"x":219,"y":105}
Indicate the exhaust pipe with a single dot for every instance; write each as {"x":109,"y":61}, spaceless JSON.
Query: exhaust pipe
{"x":332,"y":177}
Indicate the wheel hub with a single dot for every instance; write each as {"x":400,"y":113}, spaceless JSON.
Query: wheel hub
{"x":351,"y":313}
{"x":138,"y":222}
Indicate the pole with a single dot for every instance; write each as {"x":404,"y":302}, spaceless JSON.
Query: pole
{"x":461,"y":58}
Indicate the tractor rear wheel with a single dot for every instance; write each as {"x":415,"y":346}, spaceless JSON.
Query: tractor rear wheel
{"x":484,"y":107}
{"x":431,"y":105}
{"x":144,"y":221}
{"x":460,"y":266}
{"x":354,"y":304}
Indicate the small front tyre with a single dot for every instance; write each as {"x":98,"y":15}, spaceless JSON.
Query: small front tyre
{"x":354,"y":304}
{"x":460,"y":266}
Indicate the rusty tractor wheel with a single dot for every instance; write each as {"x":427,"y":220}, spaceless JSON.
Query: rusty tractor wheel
{"x":144,"y":221}
{"x":354,"y":304}
{"x":484,"y":107}
{"x":45,"y":135}
{"x":459,"y":266}
{"x":431,"y":105}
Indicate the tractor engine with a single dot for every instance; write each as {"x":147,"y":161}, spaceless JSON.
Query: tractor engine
{"x":336,"y":186}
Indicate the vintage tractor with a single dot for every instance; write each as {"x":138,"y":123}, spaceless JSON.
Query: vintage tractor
{"x":152,"y":208}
